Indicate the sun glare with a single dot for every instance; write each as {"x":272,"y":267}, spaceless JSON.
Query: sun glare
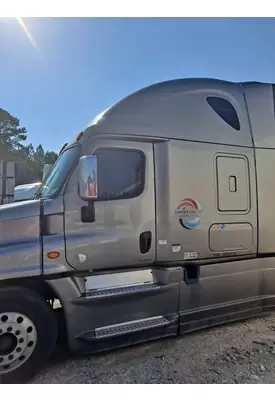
{"x":26,"y":31}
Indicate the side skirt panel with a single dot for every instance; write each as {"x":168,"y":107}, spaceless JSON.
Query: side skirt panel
{"x":210,"y":317}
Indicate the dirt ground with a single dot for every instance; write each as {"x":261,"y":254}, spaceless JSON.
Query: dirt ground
{"x":242,"y":352}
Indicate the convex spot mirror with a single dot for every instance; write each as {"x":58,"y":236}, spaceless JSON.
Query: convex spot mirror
{"x":88,"y":186}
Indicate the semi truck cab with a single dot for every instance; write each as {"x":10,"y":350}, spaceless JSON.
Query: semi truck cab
{"x":156,"y":220}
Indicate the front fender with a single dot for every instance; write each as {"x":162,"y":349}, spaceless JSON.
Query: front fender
{"x":20,"y":243}
{"x":20,"y":258}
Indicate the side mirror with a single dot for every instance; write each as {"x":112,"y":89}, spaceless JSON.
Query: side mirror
{"x":88,"y":178}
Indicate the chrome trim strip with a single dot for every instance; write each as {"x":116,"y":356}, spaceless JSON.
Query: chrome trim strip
{"x":120,"y":279}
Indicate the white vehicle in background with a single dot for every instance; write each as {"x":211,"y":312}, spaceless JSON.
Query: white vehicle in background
{"x":28,"y":191}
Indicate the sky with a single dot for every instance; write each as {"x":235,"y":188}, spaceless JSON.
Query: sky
{"x":58,"y":77}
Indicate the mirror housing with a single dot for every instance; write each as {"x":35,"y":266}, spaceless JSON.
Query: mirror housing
{"x":88,"y":178}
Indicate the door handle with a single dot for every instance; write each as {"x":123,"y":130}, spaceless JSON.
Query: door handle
{"x":232,"y":183}
{"x":145,"y":241}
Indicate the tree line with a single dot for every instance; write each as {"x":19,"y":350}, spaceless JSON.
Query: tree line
{"x":29,"y":161}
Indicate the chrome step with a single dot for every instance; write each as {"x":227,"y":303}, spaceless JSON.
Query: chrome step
{"x":99,"y":293}
{"x":130,"y":327}
{"x":116,"y":279}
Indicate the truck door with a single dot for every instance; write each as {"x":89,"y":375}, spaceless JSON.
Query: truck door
{"x":122,"y":232}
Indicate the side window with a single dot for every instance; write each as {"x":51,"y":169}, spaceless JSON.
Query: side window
{"x":121,"y":173}
{"x":225,"y":110}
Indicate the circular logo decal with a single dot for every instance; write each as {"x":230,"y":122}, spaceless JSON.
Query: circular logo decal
{"x":189,"y":211}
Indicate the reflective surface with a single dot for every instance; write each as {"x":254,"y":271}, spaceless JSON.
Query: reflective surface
{"x":18,"y":339}
{"x":59,"y":173}
{"x":88,"y":178}
{"x":121,"y":173}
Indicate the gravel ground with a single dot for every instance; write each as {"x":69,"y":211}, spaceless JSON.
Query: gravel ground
{"x":242,"y":352}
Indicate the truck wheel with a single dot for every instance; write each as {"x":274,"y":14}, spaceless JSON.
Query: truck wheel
{"x":28,"y":334}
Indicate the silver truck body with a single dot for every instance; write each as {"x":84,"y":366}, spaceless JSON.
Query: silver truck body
{"x":194,"y":246}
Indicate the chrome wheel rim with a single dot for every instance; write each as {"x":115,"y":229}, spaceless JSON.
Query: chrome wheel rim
{"x":18,"y":339}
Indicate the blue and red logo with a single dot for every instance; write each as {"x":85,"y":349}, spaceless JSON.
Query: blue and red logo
{"x":189,"y":211}
{"x":221,"y":227}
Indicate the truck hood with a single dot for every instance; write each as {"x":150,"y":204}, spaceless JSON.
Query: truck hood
{"x":20,"y":247}
{"x":20,"y":210}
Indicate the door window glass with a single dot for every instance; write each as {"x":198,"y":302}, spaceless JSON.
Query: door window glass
{"x":120,"y":173}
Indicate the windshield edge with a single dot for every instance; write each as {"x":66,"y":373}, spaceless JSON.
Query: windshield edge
{"x":38,"y":194}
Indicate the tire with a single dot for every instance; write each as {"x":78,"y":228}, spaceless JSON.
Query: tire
{"x":28,"y":334}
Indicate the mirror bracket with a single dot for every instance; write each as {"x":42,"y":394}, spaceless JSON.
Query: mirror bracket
{"x":88,"y":212}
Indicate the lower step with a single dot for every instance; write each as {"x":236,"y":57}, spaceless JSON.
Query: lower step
{"x":130,"y":327}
